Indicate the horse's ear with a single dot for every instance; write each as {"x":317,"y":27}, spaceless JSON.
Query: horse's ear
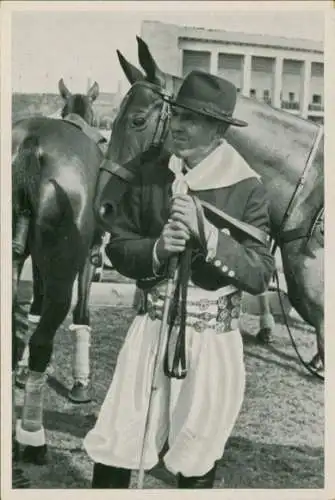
{"x":63,"y":90}
{"x":154,"y":74}
{"x":93,"y":92}
{"x":132,"y":73}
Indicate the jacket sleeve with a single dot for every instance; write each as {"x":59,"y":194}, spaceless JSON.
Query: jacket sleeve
{"x":131,"y":253}
{"x":246,"y":263}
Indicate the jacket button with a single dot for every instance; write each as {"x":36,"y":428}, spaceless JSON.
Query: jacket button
{"x":224,"y":269}
{"x":231,"y":274}
{"x":217,"y":263}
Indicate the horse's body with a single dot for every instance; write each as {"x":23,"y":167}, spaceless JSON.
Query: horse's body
{"x":54,"y":172}
{"x":282,"y":148}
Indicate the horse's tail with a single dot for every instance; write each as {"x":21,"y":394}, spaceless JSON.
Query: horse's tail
{"x":26,"y":176}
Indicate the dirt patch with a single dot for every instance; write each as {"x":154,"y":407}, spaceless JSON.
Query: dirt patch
{"x":276,"y":443}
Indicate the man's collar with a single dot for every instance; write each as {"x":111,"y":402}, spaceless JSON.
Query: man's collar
{"x":223,"y":167}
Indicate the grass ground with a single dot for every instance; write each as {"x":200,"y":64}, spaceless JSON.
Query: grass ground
{"x":277,"y":441}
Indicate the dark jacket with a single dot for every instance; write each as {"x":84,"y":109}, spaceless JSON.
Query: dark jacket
{"x":239,"y":260}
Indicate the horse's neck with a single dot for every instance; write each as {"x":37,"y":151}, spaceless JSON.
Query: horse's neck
{"x":310,"y":198}
{"x":277,"y":146}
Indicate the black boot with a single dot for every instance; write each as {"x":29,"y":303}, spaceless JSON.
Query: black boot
{"x":197,"y":482}
{"x":106,"y":476}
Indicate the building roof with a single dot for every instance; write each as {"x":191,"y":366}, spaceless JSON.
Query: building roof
{"x":233,"y":37}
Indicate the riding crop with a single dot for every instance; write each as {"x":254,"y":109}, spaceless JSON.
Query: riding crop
{"x":162,"y":341}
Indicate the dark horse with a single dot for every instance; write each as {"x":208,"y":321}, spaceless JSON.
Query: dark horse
{"x":285,"y":150}
{"x":54,"y":170}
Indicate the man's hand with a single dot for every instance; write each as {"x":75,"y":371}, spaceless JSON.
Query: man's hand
{"x":184,"y":210}
{"x":172,"y":240}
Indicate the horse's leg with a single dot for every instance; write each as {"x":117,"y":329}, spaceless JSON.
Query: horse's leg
{"x":266,"y":321}
{"x":20,"y":253}
{"x":57,"y":301}
{"x":36,"y":305}
{"x":317,"y":362}
{"x":304,"y":272}
{"x":80,"y":392}
{"x":19,"y":331}
{"x":20,"y":327}
{"x":34,"y":317}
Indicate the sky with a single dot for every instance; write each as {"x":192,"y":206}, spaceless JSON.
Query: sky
{"x":77,"y":45}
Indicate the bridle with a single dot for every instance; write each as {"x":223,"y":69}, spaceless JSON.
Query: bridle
{"x":286,"y":236}
{"x":127,"y":172}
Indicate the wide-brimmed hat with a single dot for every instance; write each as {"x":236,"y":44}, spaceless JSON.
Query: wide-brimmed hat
{"x":208,"y":95}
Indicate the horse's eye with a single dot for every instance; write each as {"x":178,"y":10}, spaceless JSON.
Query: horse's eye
{"x":138,"y":121}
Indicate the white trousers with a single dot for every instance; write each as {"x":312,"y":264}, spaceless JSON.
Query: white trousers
{"x":196,"y":414}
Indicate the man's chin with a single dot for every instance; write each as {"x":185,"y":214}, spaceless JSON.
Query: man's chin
{"x":181,"y":152}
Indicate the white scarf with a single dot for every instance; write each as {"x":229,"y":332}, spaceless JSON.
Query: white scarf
{"x":223,"y":167}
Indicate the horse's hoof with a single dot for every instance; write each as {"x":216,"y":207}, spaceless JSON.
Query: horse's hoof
{"x":37,"y":455}
{"x":80,"y":393}
{"x":265,"y":336}
{"x":21,"y":376}
{"x":316,"y":364}
{"x":19,"y":480}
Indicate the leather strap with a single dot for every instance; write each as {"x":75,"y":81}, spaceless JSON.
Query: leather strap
{"x":116,"y":169}
{"x":223,"y":220}
{"x":201,"y":223}
{"x":292,"y":235}
{"x":179,"y":302}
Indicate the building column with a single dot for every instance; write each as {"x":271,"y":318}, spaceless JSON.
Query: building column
{"x":214,"y":62}
{"x":246,"y":75}
{"x":305,"y":87}
{"x":278,"y":82}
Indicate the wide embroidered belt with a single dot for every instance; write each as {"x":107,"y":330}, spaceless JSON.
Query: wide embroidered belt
{"x":218,"y":311}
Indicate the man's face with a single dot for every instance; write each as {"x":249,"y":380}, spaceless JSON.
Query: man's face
{"x":190,"y":132}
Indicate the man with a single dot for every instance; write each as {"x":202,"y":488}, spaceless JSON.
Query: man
{"x":196,"y":414}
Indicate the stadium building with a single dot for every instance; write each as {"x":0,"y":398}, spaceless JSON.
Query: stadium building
{"x":287,"y":73}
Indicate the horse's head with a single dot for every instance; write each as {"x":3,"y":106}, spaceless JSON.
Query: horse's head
{"x":143,"y":117}
{"x":140,"y":130}
{"x":79,"y":104}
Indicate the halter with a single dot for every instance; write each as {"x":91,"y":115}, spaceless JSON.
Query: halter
{"x":126,"y":172}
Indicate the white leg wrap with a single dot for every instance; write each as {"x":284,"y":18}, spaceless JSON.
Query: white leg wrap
{"x":81,"y":354}
{"x":35,"y":438}
{"x":32,"y":413}
{"x":25,"y":357}
{"x":34,"y":318}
